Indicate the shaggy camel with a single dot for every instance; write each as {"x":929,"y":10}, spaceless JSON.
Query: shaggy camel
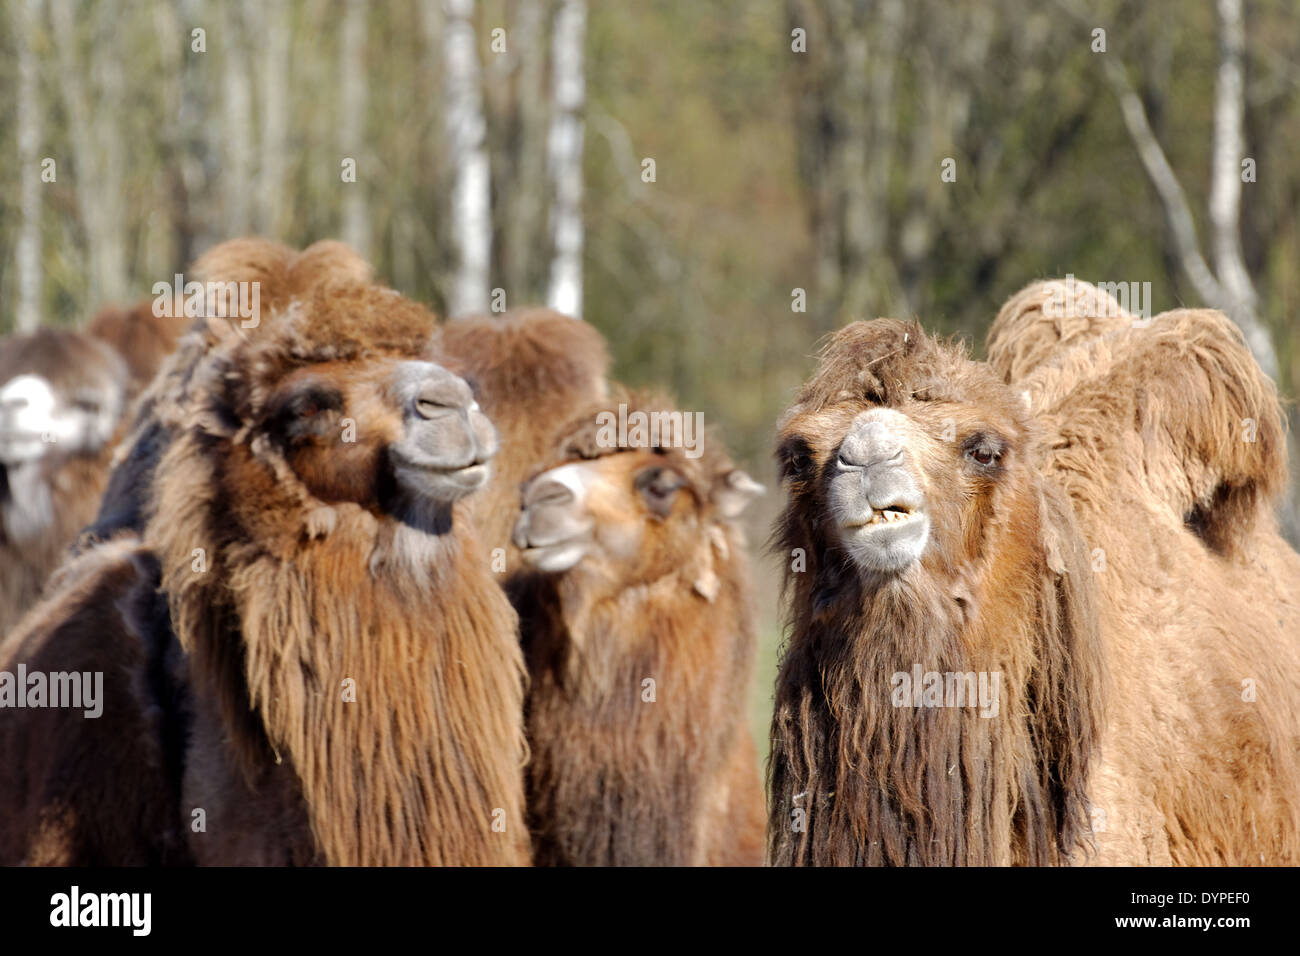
{"x":985,"y":666}
{"x":327,"y":671}
{"x":63,"y":395}
{"x":639,"y":637}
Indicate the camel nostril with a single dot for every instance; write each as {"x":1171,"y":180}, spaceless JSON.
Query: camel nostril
{"x":549,"y":494}
{"x":438,"y":395}
{"x":431,"y":407}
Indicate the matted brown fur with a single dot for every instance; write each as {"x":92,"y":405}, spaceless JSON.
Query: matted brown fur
{"x":100,"y":791}
{"x":532,"y":368}
{"x":615,"y":779}
{"x":1003,"y":587}
{"x":1155,"y":725}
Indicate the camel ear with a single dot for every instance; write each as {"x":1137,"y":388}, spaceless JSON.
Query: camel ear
{"x":733,"y":492}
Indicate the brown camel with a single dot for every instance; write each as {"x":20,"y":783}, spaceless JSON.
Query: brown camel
{"x":1007,"y":644}
{"x":62,"y":394}
{"x":639,"y":637}
{"x":63,"y":398}
{"x":328,"y":672}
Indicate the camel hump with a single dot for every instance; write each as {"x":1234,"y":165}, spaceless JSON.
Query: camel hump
{"x":529,"y":353}
{"x":143,"y":338}
{"x":101,"y":644}
{"x":1208,"y":420}
{"x":1046,"y":317}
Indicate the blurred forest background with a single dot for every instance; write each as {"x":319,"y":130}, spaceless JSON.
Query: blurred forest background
{"x":674,"y":170}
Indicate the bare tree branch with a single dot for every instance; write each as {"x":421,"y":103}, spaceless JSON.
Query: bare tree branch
{"x":1231,"y":290}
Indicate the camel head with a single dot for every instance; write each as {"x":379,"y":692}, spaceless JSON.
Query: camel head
{"x":629,"y":514}
{"x":340,"y":399}
{"x":63,"y":395}
{"x":396,"y":434}
{"x":899,"y":455}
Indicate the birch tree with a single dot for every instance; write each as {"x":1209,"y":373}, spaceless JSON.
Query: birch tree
{"x":353,"y":91}
{"x":466,"y":130}
{"x":564,"y":153}
{"x":27,"y":314}
{"x":1227,"y":286}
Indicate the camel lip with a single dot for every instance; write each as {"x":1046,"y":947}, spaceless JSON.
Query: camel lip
{"x":890,"y":516}
{"x":556,"y":556}
{"x":425,"y":477}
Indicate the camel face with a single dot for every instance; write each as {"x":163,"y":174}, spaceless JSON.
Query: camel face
{"x":633,"y":516}
{"x":902,"y":450}
{"x":629,"y":509}
{"x":398,"y":434}
{"x":36,"y":420}
{"x":614,"y":507}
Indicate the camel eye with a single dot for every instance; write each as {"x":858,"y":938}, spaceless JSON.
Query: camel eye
{"x":796,"y":460}
{"x":658,"y":488}
{"x":300,"y":416}
{"x":983,"y":450}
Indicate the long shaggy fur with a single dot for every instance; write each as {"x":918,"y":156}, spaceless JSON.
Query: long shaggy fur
{"x":1169,"y":442}
{"x":855,"y":780}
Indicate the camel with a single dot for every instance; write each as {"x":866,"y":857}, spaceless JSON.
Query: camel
{"x":639,"y":636}
{"x":63,"y":398}
{"x":62,"y":394}
{"x":988,"y":665}
{"x":307,"y":659}
{"x":532,"y":367}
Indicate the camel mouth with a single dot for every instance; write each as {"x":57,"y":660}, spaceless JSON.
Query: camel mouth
{"x":441,"y":482}
{"x":883,"y":517}
{"x":555,"y":558}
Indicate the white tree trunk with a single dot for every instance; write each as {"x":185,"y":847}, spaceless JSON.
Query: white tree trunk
{"x":523,"y":218}
{"x":564,"y":152}
{"x":466,"y":130}
{"x":27,"y":314}
{"x":353,"y":93}
{"x":1239,"y":295}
